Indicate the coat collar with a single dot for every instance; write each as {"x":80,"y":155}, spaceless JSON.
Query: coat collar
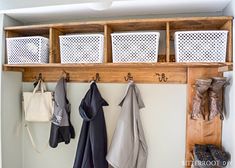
{"x":136,"y":93}
{"x":91,"y":103}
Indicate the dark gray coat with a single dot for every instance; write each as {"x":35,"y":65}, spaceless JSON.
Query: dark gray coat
{"x":92,"y":145}
{"x":61,"y":127}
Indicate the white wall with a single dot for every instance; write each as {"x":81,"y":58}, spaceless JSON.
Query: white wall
{"x":14,"y":4}
{"x":10,"y":109}
{"x":11,"y":118}
{"x":1,"y":49}
{"x":229,"y":122}
{"x":163,"y":121}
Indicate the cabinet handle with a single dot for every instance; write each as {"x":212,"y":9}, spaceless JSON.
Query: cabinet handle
{"x":162,"y":77}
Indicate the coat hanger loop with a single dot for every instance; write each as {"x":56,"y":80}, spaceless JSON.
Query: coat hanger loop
{"x":65,"y":75}
{"x":128,"y":77}
{"x":96,"y":78}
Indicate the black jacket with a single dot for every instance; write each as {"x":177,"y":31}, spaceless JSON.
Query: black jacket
{"x":92,"y":145}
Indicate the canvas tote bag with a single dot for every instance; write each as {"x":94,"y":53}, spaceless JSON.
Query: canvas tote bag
{"x":38,"y":105}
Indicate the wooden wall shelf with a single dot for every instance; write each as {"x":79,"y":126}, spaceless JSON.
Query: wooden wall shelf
{"x":165,"y":71}
{"x":169,"y":25}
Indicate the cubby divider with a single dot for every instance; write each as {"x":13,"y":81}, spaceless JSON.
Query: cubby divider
{"x":107,"y":44}
{"x":54,"y":46}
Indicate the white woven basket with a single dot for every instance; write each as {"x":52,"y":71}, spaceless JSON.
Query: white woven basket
{"x":27,"y":50}
{"x":200,"y":46}
{"x":135,"y":47}
{"x":82,"y":48}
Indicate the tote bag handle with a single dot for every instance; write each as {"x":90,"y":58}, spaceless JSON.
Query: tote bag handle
{"x":33,"y":142}
{"x":40,"y":86}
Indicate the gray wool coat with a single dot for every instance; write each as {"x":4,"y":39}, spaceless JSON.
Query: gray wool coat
{"x":128,"y":148}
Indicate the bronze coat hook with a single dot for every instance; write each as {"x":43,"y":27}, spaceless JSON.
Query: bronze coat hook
{"x":96,"y":78}
{"x":128,"y":77}
{"x":67,"y":77}
{"x":162,"y":77}
{"x":37,"y":79}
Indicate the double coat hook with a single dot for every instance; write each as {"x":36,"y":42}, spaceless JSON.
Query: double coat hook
{"x":96,"y":78}
{"x":65,"y":75}
{"x":37,"y":79}
{"x":128,"y":77}
{"x":162,"y":77}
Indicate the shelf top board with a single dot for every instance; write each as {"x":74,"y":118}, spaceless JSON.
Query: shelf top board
{"x":130,"y":24}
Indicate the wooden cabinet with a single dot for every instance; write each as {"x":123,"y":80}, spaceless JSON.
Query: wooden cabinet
{"x":164,"y":71}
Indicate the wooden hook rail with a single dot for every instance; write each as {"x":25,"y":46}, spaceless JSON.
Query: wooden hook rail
{"x":112,"y":73}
